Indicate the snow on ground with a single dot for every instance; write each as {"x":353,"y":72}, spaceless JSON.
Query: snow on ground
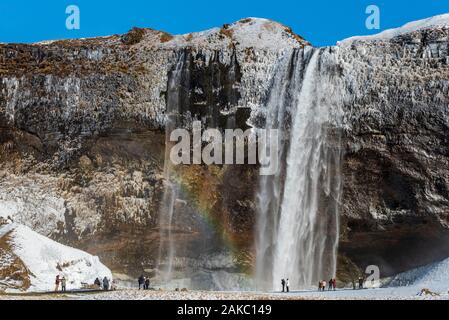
{"x":366,"y":294}
{"x":405,"y":293}
{"x":436,"y":21}
{"x":405,"y":286}
{"x":434,"y":277}
{"x":45,"y":258}
{"x":393,"y":293}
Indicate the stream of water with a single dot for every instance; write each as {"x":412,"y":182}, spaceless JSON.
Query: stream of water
{"x":298,"y":207}
{"x":172,"y":188}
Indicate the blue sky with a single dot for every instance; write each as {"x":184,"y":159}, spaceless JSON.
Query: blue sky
{"x":322,"y":22}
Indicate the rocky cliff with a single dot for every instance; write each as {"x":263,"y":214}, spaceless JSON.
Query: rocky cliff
{"x":83,"y":145}
{"x":395,"y":204}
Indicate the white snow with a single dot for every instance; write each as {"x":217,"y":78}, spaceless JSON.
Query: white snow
{"x":261,"y":33}
{"x":134,"y":294}
{"x":45,"y":258}
{"x":255,"y":33}
{"x":434,"y":277}
{"x":436,"y":21}
{"x":394,"y":293}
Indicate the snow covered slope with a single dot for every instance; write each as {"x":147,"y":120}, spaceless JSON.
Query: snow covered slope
{"x":249,"y":33}
{"x":432,"y":22}
{"x":434,"y":277}
{"x":37,"y":260}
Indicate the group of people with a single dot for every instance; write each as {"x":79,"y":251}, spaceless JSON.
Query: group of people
{"x":60,"y":281}
{"x":144,"y":282}
{"x":285,"y":285}
{"x":332,"y":285}
{"x":106,"y":284}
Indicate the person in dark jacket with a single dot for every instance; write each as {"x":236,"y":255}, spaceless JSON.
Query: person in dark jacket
{"x":360,"y":283}
{"x":97,"y":283}
{"x":331,"y":283}
{"x":141,"y":282}
{"x":147,"y":283}
{"x":283,"y":285}
{"x":105,"y":284}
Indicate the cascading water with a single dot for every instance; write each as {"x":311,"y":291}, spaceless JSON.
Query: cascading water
{"x":172,"y":188}
{"x":298,"y":207}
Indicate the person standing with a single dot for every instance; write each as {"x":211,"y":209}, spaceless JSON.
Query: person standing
{"x":57,"y":281}
{"x":283,"y":285}
{"x":334,"y":284}
{"x":287,"y":284}
{"x":141,"y":281}
{"x":360,"y":283}
{"x":63,"y":284}
{"x":331,"y":282}
{"x":105,"y":284}
{"x":97,"y":283}
{"x":147,"y":283}
{"x":113,"y":285}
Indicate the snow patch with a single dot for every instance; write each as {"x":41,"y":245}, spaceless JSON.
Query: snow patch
{"x":257,"y":33}
{"x":434,"y":277}
{"x":45,"y":258}
{"x":432,"y":22}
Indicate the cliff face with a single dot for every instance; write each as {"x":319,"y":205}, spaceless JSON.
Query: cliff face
{"x":395,"y":204}
{"x":82,"y":145}
{"x":83,"y":141}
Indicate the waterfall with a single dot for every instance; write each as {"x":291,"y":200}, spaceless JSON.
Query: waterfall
{"x":298,"y":207}
{"x":171,"y":188}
